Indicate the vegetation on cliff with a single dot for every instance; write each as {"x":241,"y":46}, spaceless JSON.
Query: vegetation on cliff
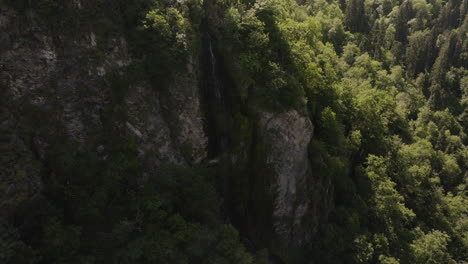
{"x":383,"y":82}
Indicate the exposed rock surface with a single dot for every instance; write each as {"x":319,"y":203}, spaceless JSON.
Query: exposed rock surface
{"x":53,"y":86}
{"x":290,"y":134}
{"x":58,"y":88}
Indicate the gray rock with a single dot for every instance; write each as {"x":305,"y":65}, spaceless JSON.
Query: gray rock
{"x":290,"y":134}
{"x":5,"y":41}
{"x":61,"y":92}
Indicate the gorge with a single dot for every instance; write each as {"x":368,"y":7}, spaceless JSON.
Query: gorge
{"x":233,"y":131}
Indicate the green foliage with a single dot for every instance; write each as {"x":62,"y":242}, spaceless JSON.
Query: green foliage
{"x":168,"y":40}
{"x":13,"y":249}
{"x":94,"y":211}
{"x":431,"y":248}
{"x":388,"y":203}
{"x":355,"y":16}
{"x":388,"y":260}
{"x":384,"y":83}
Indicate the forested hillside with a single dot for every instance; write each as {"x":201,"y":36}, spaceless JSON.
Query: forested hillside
{"x":234,"y":131}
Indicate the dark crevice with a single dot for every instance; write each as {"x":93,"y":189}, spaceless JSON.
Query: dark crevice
{"x":215,"y":97}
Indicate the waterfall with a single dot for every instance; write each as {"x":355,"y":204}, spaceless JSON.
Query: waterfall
{"x":216,"y":109}
{"x":215,"y":81}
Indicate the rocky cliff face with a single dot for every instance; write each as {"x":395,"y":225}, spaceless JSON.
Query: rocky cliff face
{"x":61,"y":90}
{"x":54,"y":87}
{"x":290,"y":134}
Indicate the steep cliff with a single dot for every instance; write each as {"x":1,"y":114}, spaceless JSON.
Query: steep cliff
{"x":233,"y":131}
{"x":71,"y":88}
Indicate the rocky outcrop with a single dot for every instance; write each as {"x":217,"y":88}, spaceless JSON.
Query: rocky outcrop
{"x":56,"y":86}
{"x":289,"y":134}
{"x":74,"y":89}
{"x":184,"y":109}
{"x":181,"y":139}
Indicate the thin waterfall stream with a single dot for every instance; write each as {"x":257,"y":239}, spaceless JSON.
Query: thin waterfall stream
{"x":216,"y":109}
{"x":216,"y":84}
{"x":218,"y":114}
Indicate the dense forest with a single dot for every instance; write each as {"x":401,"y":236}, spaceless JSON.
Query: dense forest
{"x":281,"y":131}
